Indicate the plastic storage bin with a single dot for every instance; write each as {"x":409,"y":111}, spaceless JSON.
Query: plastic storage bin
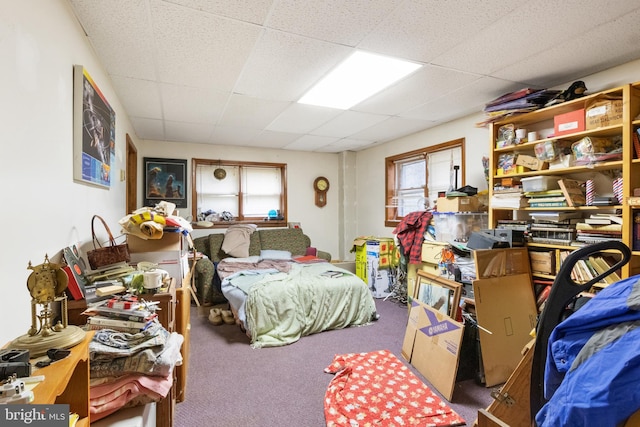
{"x":458,"y":226}
{"x":540,"y":183}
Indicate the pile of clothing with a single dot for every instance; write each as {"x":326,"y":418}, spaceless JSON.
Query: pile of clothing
{"x":149,"y":223}
{"x":128,"y":370}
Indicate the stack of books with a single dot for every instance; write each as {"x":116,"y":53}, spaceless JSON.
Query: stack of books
{"x":599,"y":228}
{"x":561,"y":232}
{"x":546,"y":199}
{"x":506,"y":197}
{"x":123,"y":314}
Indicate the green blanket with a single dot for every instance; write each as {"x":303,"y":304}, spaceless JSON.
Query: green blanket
{"x":281,"y":308}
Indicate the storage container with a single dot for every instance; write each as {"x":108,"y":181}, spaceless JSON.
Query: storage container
{"x":457,"y":227}
{"x":539,"y":183}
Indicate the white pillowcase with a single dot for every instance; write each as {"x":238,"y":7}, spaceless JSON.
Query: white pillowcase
{"x":274,"y":254}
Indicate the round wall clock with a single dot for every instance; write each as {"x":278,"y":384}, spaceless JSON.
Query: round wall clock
{"x":321,"y":186}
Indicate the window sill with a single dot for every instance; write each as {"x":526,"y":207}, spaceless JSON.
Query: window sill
{"x":226,"y":224}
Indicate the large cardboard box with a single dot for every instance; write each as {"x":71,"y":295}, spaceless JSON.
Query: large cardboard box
{"x":432,"y":343}
{"x":375,"y":257}
{"x":457,"y":204}
{"x":506,"y":310}
{"x":175,"y":263}
{"x":604,"y":112}
{"x":170,"y":241}
{"x":567,"y":123}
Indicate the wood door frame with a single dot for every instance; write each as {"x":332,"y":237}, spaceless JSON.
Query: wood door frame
{"x":131,"y":176}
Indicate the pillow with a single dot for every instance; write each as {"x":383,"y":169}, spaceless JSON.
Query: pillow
{"x":237,"y":239}
{"x":274,"y":254}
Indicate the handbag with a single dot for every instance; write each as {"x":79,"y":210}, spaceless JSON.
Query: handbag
{"x":106,"y":255}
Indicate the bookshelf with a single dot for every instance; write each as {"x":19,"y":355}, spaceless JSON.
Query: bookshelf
{"x":600,"y":170}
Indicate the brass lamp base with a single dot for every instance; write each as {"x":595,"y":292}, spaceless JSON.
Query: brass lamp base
{"x":38,"y":344}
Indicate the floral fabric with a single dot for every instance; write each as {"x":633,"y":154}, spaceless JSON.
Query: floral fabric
{"x":377,"y":389}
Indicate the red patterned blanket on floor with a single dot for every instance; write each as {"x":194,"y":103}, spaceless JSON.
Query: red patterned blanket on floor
{"x":377,"y":389}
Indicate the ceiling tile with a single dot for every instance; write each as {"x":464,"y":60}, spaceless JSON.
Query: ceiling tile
{"x":151,"y":128}
{"x":392,"y":128}
{"x":251,"y":112}
{"x":188,"y":132}
{"x":284,"y":66}
{"x":420,"y":30}
{"x":429,"y":82}
{"x":272,"y":139}
{"x":254,"y":11}
{"x":192,"y":105}
{"x":466,"y":100}
{"x":231,"y":135}
{"x":337,"y":21}
{"x":143,"y":97}
{"x":309,"y":143}
{"x":302,"y":118}
{"x":198,"y":49}
{"x":117,"y":32}
{"x":231,"y":71}
{"x":348,"y":123}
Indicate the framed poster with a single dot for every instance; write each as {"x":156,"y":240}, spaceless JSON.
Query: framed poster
{"x":94,"y":130}
{"x":438,"y":293}
{"x":165,"y":179}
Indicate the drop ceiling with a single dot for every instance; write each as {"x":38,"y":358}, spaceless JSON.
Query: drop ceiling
{"x":229,"y":72}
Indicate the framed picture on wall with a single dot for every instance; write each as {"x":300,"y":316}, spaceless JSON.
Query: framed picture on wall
{"x":94,"y":130}
{"x":439,"y":293}
{"x":165,"y":179}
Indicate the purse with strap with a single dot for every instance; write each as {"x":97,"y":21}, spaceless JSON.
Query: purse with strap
{"x":101,"y":256}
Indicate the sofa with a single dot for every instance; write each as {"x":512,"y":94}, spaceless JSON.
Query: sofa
{"x":284,"y":239}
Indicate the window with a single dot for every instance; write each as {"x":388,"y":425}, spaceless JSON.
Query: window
{"x":414,"y":179}
{"x":250,"y":191}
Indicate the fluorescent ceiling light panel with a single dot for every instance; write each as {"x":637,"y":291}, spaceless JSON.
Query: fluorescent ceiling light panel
{"x":356,"y":79}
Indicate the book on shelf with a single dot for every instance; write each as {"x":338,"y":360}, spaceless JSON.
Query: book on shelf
{"x":543,"y":194}
{"x":136,"y":314}
{"x":573,"y":191}
{"x":613,"y":218}
{"x":601,"y":266}
{"x":109,"y":322}
{"x":636,"y":144}
{"x":635,"y":244}
{"x":596,"y":239}
{"x":534,"y":200}
{"x":554,"y":216}
{"x":552,"y":241}
{"x":606,"y":228}
{"x":509,"y":202}
{"x":561,"y":204}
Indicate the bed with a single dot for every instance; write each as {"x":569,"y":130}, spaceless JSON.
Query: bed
{"x":278,"y":301}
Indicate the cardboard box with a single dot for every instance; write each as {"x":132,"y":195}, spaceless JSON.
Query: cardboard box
{"x":374,"y":257}
{"x":567,"y":123}
{"x":432,"y":343}
{"x":170,"y":241}
{"x":176,"y":263}
{"x":457,"y":204}
{"x":543,"y":262}
{"x":506,"y":311}
{"x":531,"y":162}
{"x":604,"y":112}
